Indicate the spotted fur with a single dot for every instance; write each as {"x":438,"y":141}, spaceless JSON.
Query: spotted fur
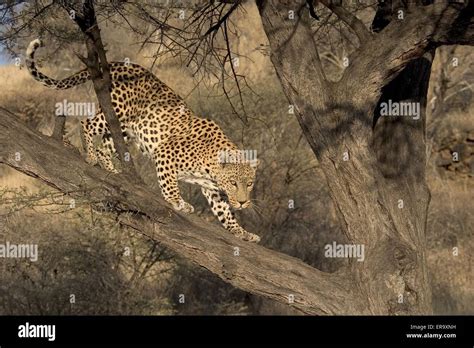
{"x":182,"y":146}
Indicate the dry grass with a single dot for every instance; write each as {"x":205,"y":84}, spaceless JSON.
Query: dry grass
{"x":81,"y":254}
{"x":450,"y":242}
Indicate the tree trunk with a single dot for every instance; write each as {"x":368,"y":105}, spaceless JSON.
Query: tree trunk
{"x":374,"y":166}
{"x":382,"y":199}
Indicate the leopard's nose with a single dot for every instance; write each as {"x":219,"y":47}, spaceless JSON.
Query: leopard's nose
{"x":244,"y":204}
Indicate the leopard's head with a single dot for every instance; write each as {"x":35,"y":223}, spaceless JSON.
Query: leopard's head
{"x":237,"y":181}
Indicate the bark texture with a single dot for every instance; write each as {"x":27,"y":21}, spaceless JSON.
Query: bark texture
{"x":374,"y":166}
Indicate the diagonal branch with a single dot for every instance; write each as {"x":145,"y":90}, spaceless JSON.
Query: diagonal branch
{"x":222,"y":20}
{"x":256,"y":269}
{"x":350,"y":19}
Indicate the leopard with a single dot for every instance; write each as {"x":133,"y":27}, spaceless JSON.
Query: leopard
{"x":182,"y":146}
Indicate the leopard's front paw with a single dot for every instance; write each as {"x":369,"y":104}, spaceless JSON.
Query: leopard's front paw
{"x":184,"y":207}
{"x":239,"y":232}
{"x":250,"y":237}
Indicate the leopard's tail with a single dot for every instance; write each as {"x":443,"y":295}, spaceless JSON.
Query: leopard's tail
{"x":69,"y":82}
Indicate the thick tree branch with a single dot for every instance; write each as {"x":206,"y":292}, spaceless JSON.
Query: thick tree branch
{"x":256,"y":270}
{"x":291,"y":37}
{"x":404,"y":40}
{"x":457,"y":32}
{"x":350,"y":19}
{"x":291,"y":40}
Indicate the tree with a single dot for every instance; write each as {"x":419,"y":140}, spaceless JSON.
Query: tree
{"x":374,"y":165}
{"x":380,"y":191}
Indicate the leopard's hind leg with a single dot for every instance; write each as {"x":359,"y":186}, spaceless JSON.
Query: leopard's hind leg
{"x":91,"y":127}
{"x":105,"y":152}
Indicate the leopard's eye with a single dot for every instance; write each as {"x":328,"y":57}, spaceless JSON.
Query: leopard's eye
{"x":250,"y":183}
{"x":233,"y":182}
